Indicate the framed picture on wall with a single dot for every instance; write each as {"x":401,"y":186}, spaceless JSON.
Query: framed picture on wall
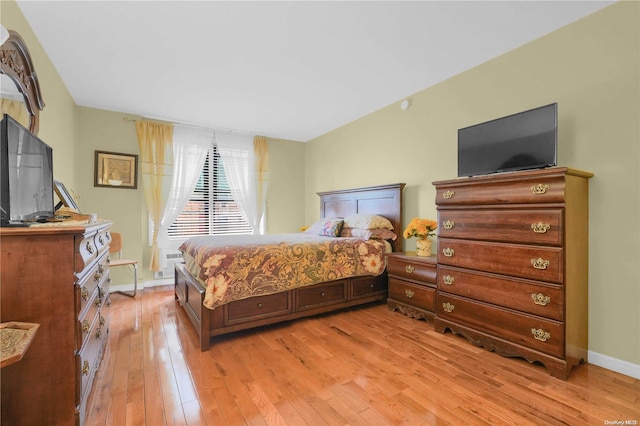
{"x":116,"y":170}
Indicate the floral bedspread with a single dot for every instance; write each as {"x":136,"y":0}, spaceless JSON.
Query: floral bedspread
{"x":241,"y":266}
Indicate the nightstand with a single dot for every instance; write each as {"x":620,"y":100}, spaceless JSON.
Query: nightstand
{"x":412,"y":285}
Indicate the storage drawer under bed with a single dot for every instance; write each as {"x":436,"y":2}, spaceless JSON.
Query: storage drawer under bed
{"x":256,"y":308}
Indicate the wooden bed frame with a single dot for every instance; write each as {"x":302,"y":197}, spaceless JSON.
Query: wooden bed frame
{"x":385,"y":200}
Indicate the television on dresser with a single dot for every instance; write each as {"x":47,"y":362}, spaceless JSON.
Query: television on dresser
{"x":26,"y":176}
{"x":526,"y":140}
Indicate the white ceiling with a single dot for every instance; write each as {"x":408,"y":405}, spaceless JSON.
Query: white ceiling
{"x":293,"y":70}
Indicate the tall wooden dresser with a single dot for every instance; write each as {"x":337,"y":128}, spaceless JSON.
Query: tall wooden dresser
{"x":58,"y":277}
{"x":513,"y":264}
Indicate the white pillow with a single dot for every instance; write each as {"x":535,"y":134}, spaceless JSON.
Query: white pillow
{"x":367,"y":221}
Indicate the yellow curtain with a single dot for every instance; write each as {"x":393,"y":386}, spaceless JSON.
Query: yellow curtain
{"x":261,"y":152}
{"x":156,"y":165}
{"x":15,"y":109}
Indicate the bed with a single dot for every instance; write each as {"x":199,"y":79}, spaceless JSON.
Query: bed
{"x":294,"y":301}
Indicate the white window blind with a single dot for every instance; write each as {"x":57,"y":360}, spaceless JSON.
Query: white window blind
{"x":211,"y":209}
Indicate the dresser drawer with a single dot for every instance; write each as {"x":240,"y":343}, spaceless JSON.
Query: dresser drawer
{"x":322,"y":294}
{"x":532,"y":297}
{"x":415,"y":295}
{"x":85,"y":252}
{"x":254,"y":308}
{"x":86,"y":319}
{"x":102,"y":240}
{"x":86,"y":289}
{"x":544,"y":226}
{"x":411,"y":268}
{"x":368,"y":286}
{"x":534,"y":262}
{"x":88,"y":359}
{"x":506,"y":189}
{"x":541,"y":334}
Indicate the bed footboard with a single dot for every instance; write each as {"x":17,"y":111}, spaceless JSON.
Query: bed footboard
{"x":190,"y":294}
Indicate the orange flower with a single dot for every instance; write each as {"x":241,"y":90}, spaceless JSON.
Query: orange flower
{"x":420,"y":228}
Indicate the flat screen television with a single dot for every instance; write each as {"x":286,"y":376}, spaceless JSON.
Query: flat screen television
{"x":26,"y":176}
{"x":526,"y":140}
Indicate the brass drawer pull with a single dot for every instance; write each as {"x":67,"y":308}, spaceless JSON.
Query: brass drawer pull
{"x":448,"y":224}
{"x":98,"y":301}
{"x":448,"y":252}
{"x":99,"y":334}
{"x":540,"y":228}
{"x":108,"y":259}
{"x":540,"y":334}
{"x":540,"y":263}
{"x":89,"y":247}
{"x":448,"y":280}
{"x":85,"y":368}
{"x":540,"y":299}
{"x":540,"y":189}
{"x":100,"y":240}
{"x":84,"y":293}
{"x":409,"y":269}
{"x":447,"y":195}
{"x":96,"y":276}
{"x":409,"y":293}
{"x":85,"y":326}
{"x":448,"y":307}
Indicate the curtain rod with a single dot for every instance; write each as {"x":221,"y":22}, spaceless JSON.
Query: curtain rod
{"x":183,"y":123}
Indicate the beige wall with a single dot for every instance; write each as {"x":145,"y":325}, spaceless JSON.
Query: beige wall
{"x":591,"y":68}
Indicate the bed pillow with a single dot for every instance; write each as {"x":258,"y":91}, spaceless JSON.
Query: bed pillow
{"x":327,"y":227}
{"x":369,"y":234}
{"x":367,"y":221}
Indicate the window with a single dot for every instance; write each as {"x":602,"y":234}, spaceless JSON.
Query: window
{"x":211,"y":209}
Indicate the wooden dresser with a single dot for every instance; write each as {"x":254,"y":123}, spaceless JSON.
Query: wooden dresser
{"x":58,"y":277}
{"x":412,"y":285}
{"x":513,"y":264}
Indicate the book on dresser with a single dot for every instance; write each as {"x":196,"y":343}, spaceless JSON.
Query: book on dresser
{"x":513,"y":264}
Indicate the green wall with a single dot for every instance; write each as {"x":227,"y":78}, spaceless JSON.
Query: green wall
{"x":591,"y":68}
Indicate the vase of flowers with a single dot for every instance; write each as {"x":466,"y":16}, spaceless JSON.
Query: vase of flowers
{"x":422,"y":229}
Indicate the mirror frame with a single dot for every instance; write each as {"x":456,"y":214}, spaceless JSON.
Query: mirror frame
{"x":15,"y":62}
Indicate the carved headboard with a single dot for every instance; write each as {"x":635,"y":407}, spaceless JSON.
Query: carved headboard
{"x":383,"y":200}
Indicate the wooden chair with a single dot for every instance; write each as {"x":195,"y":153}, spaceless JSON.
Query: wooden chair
{"x":116,"y":247}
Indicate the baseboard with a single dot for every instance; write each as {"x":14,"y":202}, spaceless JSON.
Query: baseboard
{"x":619,"y":366}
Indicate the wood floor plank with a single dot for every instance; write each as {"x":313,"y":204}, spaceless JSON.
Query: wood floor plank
{"x":153,"y":396}
{"x":366,"y":366}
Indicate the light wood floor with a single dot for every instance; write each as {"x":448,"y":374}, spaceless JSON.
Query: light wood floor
{"x":361,"y":367}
